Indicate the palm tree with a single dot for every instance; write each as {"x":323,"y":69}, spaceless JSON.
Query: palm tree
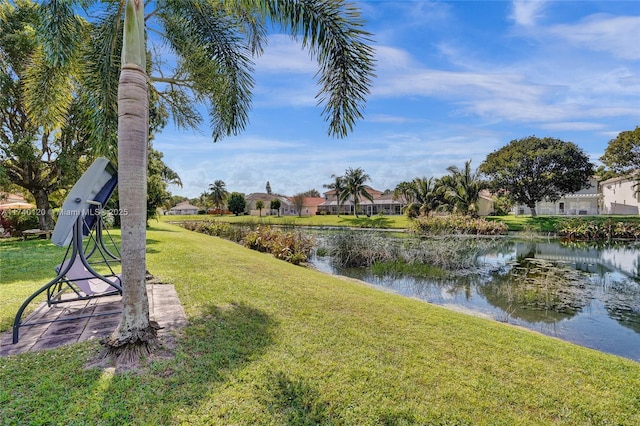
{"x":464,"y":189}
{"x":354,"y":187}
{"x":425,"y":194}
{"x":338,"y":188}
{"x":218,"y":194}
{"x":214,"y":43}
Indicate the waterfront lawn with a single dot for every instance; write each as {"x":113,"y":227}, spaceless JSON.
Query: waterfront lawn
{"x":273,"y":343}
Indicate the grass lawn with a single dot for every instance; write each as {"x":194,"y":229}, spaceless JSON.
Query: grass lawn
{"x":273,"y":343}
{"x":391,"y":221}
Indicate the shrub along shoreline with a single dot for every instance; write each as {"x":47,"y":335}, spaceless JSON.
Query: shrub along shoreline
{"x":273,"y":343}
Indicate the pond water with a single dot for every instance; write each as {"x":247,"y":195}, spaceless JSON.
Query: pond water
{"x":585,"y":294}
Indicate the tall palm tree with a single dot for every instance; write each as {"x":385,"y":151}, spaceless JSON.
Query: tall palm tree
{"x":219,"y":194}
{"x":354,"y":187}
{"x":338,"y":188}
{"x":464,"y":190}
{"x":214,"y":43}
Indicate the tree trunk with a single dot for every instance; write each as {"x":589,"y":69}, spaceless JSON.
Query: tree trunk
{"x":533,"y":211}
{"x":134,"y":328}
{"x":45,"y":220}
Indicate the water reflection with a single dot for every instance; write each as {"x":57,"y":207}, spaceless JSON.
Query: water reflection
{"x":586,"y":294}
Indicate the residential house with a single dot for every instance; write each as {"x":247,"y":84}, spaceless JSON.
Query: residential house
{"x":286,"y":206}
{"x":382,"y":203}
{"x":620,"y":195}
{"x":584,"y":202}
{"x":485,"y":203}
{"x":310,"y":205}
{"x":183,"y":208}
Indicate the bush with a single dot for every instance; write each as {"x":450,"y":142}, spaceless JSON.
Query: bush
{"x":294,"y":247}
{"x":589,"y":229}
{"x":455,"y":224}
{"x":15,"y":221}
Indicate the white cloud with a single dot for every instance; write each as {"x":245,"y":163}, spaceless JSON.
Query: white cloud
{"x":618,"y":35}
{"x":284,"y":54}
{"x":526,"y":12}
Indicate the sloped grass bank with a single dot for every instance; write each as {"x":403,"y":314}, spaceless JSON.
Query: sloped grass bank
{"x":273,"y":343}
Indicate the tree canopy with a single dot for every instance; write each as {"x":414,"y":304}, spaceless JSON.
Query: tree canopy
{"x":622,"y":154}
{"x":534,"y":169}
{"x":236,"y":203}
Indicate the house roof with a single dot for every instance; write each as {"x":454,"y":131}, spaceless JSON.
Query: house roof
{"x":313,"y":201}
{"x":184,"y":206}
{"x":9,"y":198}
{"x":374,"y":192}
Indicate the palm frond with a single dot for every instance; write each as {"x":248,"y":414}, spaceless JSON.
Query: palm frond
{"x":214,"y":58}
{"x":333,"y":32}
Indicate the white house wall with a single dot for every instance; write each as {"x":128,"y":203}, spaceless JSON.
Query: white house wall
{"x":618,"y":196}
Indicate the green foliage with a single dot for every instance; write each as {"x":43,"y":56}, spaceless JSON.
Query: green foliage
{"x":291,"y":246}
{"x":456,"y":224}
{"x":236,"y":203}
{"x":502,"y":205}
{"x":159,"y":176}
{"x":275,"y":205}
{"x":15,"y":221}
{"x":622,"y":154}
{"x":604,"y":229}
{"x":534,"y":169}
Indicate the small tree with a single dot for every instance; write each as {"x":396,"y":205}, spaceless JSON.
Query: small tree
{"x":236,"y":203}
{"x":298,"y":202}
{"x":354,"y":187}
{"x":275,"y":205}
{"x":260,"y":206}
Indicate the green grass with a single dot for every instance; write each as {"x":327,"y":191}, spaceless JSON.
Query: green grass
{"x":391,"y":221}
{"x":273,"y":343}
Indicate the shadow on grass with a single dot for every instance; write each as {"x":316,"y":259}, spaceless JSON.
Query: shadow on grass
{"x":295,"y":402}
{"x":367,"y":222}
{"x":211,"y":350}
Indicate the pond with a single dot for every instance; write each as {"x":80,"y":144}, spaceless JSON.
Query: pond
{"x":583,"y":293}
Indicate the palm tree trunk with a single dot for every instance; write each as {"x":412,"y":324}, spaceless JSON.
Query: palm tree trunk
{"x":133,"y":128}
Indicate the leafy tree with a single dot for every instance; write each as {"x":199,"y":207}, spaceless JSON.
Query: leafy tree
{"x":260,"y":206}
{"x":354,"y":187}
{"x":236,"y":203}
{"x":298,"y":202}
{"x":218,"y":194}
{"x":534,"y":169}
{"x":338,"y":186}
{"x":39,"y":153}
{"x":464,"y":189}
{"x":311,"y":193}
{"x":622,"y":154}
{"x":275,"y":205}
{"x":159,"y":176}
{"x":214,"y":43}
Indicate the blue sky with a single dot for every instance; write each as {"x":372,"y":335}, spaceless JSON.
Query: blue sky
{"x":455,"y":81}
